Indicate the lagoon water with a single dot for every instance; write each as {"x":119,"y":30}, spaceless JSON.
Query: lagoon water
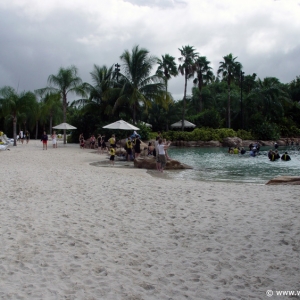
{"x":215,"y":164}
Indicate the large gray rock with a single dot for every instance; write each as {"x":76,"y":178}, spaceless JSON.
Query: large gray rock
{"x":150,"y":163}
{"x":285,"y":180}
{"x":232,"y":142}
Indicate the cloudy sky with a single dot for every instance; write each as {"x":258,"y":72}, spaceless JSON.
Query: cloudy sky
{"x":40,"y":36}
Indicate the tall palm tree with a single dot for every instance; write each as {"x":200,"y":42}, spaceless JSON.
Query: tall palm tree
{"x":52,"y":108}
{"x":138,"y":87}
{"x":101,"y":93}
{"x":187,"y":68}
{"x":204,"y":75}
{"x":14,"y":104}
{"x":167,"y":68}
{"x":230,"y":69}
{"x":66,"y":81}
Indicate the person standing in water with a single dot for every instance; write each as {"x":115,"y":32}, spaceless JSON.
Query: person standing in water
{"x":285,"y":157}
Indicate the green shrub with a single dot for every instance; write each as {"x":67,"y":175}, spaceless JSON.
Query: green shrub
{"x":244,"y":135}
{"x":152,"y":135}
{"x":266,"y":131}
{"x":144,"y":131}
{"x":225,"y":132}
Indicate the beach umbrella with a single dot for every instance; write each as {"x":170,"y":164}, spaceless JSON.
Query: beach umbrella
{"x":186,"y":124}
{"x":121,"y":125}
{"x":64,"y":126}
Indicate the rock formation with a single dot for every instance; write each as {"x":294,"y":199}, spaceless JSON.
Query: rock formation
{"x":284,"y":180}
{"x":150,"y":163}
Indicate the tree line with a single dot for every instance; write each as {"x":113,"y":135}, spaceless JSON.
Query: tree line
{"x":137,"y":91}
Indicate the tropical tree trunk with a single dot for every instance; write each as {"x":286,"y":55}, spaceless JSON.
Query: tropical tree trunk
{"x":65,"y":115}
{"x":184,"y":101}
{"x":200,"y":99}
{"x":36,"y":128}
{"x":50,"y":121}
{"x":134,"y":114}
{"x":228,"y":109}
{"x":15,"y":130}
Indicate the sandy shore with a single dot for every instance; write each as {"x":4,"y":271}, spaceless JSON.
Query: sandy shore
{"x":70,"y":230}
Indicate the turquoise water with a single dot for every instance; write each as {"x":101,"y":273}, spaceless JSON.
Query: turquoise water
{"x":215,"y":164}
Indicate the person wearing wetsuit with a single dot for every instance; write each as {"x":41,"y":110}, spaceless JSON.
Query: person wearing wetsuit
{"x":285,"y":157}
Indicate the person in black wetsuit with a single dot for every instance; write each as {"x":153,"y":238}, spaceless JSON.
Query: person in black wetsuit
{"x":285,"y":157}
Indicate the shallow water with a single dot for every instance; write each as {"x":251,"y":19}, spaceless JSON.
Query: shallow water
{"x":217,"y":165}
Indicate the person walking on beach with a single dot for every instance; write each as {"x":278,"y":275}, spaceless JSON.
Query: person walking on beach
{"x":54,"y":139}
{"x":21,"y":136}
{"x":44,"y":139}
{"x":81,"y":141}
{"x":112,"y":153}
{"x":27,"y":136}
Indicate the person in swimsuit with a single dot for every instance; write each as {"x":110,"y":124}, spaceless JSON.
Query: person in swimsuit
{"x":112,"y":153}
{"x":81,"y":141}
{"x":54,"y":139}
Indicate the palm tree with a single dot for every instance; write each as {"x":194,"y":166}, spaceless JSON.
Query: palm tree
{"x":230,"y":70}
{"x":188,"y":57}
{"x":204,"y":75}
{"x":101,"y":93}
{"x":14,"y":104}
{"x":66,"y":81}
{"x":268,"y":97}
{"x":138,"y":87}
{"x":52,"y":108}
{"x":167,"y":68}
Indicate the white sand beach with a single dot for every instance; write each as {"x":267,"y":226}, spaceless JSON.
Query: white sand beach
{"x":70,"y":230}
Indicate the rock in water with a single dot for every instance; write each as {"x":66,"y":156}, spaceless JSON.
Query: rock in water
{"x":150,"y":163}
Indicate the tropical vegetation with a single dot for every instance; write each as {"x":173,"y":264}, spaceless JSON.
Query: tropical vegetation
{"x":222,"y":102}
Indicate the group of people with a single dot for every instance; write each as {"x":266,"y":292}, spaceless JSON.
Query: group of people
{"x":253,"y":149}
{"x":44,"y":140}
{"x":24,"y":136}
{"x":274,"y":155}
{"x":101,"y":145}
{"x":160,"y":151}
{"x":291,"y":142}
{"x":133,"y":146}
